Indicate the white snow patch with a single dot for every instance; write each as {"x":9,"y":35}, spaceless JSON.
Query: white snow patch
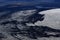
{"x":52,"y":18}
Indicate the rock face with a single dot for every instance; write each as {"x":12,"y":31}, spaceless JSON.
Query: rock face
{"x":12,"y":24}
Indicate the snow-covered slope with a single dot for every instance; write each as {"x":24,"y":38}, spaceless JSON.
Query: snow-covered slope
{"x":51,"y":18}
{"x":14,"y":24}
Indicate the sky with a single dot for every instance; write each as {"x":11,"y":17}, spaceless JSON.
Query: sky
{"x":21,"y":1}
{"x":29,"y":2}
{"x":26,"y":0}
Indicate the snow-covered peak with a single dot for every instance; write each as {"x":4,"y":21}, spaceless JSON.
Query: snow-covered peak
{"x":51,"y":18}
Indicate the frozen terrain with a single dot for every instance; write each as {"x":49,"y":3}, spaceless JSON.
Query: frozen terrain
{"x":29,"y":23}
